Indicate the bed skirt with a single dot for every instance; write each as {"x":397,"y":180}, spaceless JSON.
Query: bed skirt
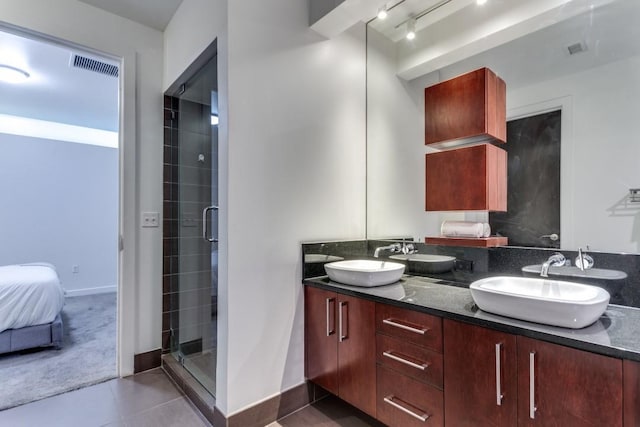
{"x":49,"y":334}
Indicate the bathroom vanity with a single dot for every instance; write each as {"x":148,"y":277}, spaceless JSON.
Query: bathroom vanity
{"x":419,"y":352}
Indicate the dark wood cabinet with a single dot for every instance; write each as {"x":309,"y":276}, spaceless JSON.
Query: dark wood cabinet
{"x":340,"y":346}
{"x":537,"y":383}
{"x":470,"y":178}
{"x":480,"y":386}
{"x":321,"y":339}
{"x":410,"y":374}
{"x":410,"y":368}
{"x":470,"y":107}
{"x":561,"y":386}
{"x":631,"y":393}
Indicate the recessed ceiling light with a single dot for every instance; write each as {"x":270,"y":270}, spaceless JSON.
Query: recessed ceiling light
{"x":11,"y":74}
{"x":480,"y":2}
{"x":382,"y":13}
{"x":411,"y":29}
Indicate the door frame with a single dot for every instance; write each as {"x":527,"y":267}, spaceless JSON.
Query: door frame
{"x":565,"y":105}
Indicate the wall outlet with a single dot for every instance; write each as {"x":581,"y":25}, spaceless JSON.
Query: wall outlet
{"x":75,"y":269}
{"x":463,"y":265}
{"x":150,"y":219}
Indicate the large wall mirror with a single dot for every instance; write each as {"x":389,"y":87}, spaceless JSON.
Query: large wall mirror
{"x":578,"y":57}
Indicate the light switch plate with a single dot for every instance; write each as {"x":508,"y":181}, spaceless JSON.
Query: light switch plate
{"x":150,"y":219}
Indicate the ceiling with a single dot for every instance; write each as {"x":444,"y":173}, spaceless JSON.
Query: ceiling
{"x":152,"y":13}
{"x":60,"y":93}
{"x":56,"y":91}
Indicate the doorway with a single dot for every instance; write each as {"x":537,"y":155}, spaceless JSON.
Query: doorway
{"x":191,"y":249}
{"x":533,"y":196}
{"x":59,"y":180}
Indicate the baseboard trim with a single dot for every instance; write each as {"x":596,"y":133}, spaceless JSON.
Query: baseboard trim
{"x":274,"y":408}
{"x":90,"y":291}
{"x":145,"y":361}
{"x":258,"y":415}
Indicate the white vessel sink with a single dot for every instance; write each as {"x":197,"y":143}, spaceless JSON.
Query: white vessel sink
{"x":364,"y":272}
{"x":428,"y":263}
{"x":552,"y":302}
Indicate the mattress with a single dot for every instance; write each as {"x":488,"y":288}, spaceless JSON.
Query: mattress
{"x":30,"y":294}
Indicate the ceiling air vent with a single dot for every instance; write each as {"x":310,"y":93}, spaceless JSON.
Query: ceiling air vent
{"x":90,"y":64}
{"x":577,"y":48}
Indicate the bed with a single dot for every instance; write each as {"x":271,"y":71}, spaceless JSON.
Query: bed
{"x":31,"y":300}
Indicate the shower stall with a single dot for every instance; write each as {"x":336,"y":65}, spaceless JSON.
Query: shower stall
{"x":191,"y":221}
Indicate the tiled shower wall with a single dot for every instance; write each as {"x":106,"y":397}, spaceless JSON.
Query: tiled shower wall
{"x":187,"y":278}
{"x":171,"y":222}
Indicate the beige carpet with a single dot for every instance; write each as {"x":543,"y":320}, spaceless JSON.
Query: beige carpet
{"x":88,"y":355}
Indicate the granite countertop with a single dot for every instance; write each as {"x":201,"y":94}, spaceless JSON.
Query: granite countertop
{"x":614,"y":334}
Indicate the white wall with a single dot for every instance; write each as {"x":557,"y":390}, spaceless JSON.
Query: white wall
{"x":141,"y":159}
{"x":291,"y":169}
{"x":60,"y":205}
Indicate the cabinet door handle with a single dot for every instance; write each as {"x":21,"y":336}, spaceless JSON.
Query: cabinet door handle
{"x":499,"y":395}
{"x":532,"y":385}
{"x":390,"y":355}
{"x":330,"y":330}
{"x":342,"y":325}
{"x":389,"y":400}
{"x":420,"y":331}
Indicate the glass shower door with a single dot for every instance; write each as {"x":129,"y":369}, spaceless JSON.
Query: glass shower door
{"x":195,"y":328}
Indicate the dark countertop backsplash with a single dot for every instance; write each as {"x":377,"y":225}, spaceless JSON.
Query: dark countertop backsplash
{"x":484,"y":262}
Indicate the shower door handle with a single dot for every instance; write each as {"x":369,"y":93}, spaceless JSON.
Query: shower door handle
{"x":205,"y":228}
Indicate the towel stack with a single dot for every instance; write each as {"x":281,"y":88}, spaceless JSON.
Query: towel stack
{"x":465,"y":229}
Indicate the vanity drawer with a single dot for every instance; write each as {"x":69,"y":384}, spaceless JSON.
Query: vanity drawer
{"x":405,"y":402}
{"x":413,"y":326}
{"x":414,"y":361}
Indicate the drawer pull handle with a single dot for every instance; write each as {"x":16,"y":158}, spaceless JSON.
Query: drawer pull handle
{"x":342,"y":325}
{"x":390,"y":355}
{"x":389,"y":400}
{"x":330,"y":330}
{"x":420,"y":331}
{"x":499,"y":394}
{"x":532,"y":385}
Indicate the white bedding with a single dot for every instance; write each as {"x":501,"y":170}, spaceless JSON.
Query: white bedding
{"x":30,"y":294}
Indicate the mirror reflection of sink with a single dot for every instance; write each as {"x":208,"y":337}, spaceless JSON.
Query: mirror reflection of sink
{"x":319,"y":258}
{"x":592,"y":273}
{"x":427,"y":263}
{"x":364,"y":272}
{"x":552,"y":302}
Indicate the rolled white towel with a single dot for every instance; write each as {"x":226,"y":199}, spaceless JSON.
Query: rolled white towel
{"x":465,"y":229}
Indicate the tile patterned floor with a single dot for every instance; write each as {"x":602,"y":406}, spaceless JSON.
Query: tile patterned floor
{"x":328,"y":412}
{"x":147,"y":399}
{"x":150,"y":399}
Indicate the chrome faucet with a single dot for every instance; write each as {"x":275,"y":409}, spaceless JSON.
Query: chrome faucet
{"x":408,"y":248}
{"x":556,"y":260}
{"x":584,"y":261}
{"x":393,"y":248}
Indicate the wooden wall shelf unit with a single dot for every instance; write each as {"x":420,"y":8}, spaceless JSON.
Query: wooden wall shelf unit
{"x":482,"y":242}
{"x":467,"y":179}
{"x":466,"y":109}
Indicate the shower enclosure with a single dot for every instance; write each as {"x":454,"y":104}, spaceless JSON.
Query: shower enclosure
{"x":193,"y":232}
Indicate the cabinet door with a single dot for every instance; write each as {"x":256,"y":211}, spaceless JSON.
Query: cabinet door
{"x":479,"y":376}
{"x":321,"y":339}
{"x":561,"y":386}
{"x":357,"y":352}
{"x":470,"y":178}
{"x":468,"y":106}
{"x":631,"y":386}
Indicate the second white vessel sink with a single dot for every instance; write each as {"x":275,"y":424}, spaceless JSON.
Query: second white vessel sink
{"x":551,"y":302}
{"x":364,"y":272}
